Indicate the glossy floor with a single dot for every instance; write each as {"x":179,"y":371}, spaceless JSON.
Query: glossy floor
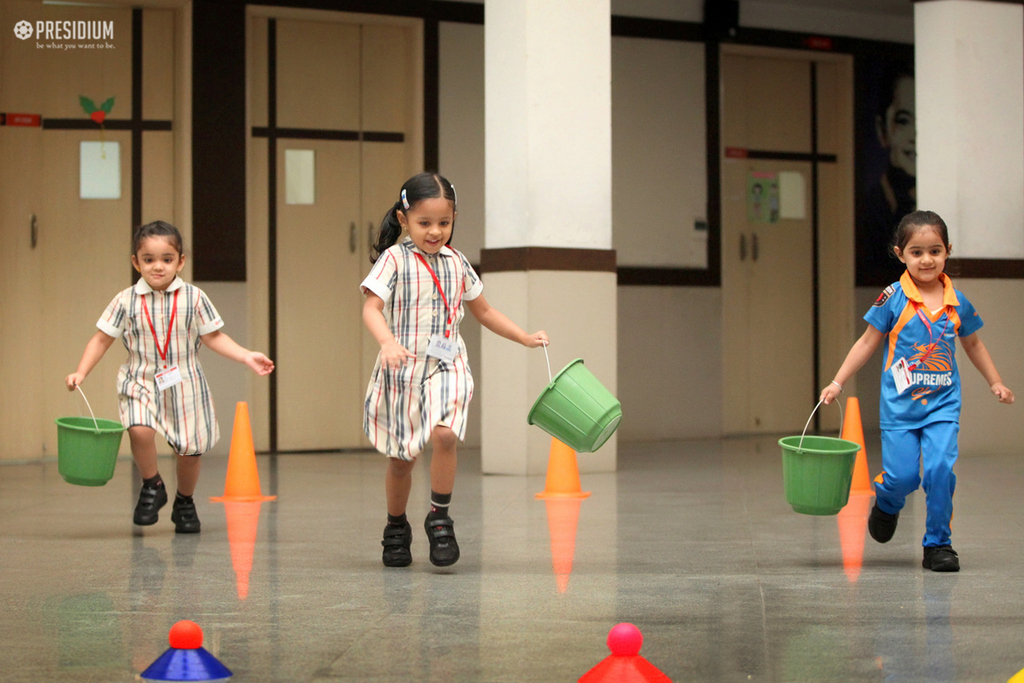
{"x":692,"y":542}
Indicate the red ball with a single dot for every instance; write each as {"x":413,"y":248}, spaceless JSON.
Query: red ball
{"x":186,"y":635}
{"x":625,"y":640}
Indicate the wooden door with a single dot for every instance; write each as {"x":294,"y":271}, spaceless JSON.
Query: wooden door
{"x":344,"y":100}
{"x":768,"y":259}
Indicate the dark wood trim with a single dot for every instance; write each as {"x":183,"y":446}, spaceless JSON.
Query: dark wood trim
{"x":986,"y":268}
{"x":109,"y":124}
{"x":812,"y":156}
{"x":136,"y":117}
{"x":219,"y":141}
{"x":712,"y":147}
{"x":272,"y":224}
{"x":657,"y":29}
{"x":815,"y":242}
{"x":1004,"y":2}
{"x":305,"y":133}
{"x":326,"y":134}
{"x":431,"y":94}
{"x":652,"y":276}
{"x":382,"y":136}
{"x":546,"y":258}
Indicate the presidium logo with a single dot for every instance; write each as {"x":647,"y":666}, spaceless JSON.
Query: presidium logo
{"x":65,"y":30}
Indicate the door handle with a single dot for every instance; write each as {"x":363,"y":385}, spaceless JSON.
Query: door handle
{"x":352,"y":244}
{"x":33,"y":232}
{"x":753,"y":246}
{"x":743,"y":247}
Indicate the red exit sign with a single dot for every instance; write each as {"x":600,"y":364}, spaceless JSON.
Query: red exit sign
{"x":30,"y":120}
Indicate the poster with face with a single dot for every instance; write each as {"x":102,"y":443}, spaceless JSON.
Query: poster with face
{"x":886,"y":161}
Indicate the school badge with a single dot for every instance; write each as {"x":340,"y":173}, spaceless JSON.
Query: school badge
{"x":884,"y":296}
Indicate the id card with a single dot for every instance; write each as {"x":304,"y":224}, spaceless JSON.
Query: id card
{"x":444,"y":349}
{"x":901,"y":375}
{"x":168,"y":378}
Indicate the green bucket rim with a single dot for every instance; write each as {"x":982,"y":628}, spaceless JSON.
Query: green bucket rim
{"x":550,"y":386}
{"x":90,"y":425}
{"x":850,"y":448}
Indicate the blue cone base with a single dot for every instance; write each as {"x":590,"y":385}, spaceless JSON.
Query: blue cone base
{"x":186,"y":665}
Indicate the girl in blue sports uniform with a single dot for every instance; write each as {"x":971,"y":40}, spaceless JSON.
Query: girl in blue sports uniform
{"x":919,"y":318}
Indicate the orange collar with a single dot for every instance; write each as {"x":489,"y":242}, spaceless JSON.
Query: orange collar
{"x":912,"y":292}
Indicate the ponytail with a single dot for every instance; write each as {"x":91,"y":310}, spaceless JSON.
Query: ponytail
{"x":388,"y":234}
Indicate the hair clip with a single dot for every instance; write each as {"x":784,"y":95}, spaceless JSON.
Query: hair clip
{"x":405,"y":201}
{"x":455,"y":197}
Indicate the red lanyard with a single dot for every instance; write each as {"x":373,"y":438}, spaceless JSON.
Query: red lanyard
{"x":170,"y":326}
{"x":931,"y":342}
{"x":451,"y":311}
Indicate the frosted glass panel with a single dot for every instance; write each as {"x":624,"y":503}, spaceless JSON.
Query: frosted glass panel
{"x":299,"y":176}
{"x":100,"y":170}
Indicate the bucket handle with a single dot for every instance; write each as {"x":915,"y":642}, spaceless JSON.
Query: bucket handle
{"x":94,"y":421}
{"x":838,"y":403}
{"x":550,"y":378}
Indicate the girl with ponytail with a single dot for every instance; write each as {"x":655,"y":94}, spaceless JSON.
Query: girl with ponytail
{"x":421,"y":384}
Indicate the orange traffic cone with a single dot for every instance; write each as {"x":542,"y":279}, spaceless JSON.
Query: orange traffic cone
{"x":854,"y":431}
{"x":243,"y":523}
{"x":563,"y":517}
{"x":243,"y":479}
{"x":625,"y":664}
{"x":563,"y":480}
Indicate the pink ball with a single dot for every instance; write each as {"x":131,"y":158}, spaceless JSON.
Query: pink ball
{"x":186,"y":635}
{"x":625,"y":640}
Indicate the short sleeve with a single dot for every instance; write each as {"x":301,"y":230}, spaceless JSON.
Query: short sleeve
{"x":879,"y":315}
{"x":383,"y":276}
{"x":207,"y":316}
{"x":112,"y":322}
{"x":474,"y":286}
{"x":970,"y":321}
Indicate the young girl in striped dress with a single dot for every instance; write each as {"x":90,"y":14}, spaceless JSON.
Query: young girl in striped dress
{"x":161,"y":388}
{"x":421,"y":384}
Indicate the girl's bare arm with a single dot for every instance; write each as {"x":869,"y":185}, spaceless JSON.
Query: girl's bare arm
{"x":979,"y":355}
{"x":859,"y":354}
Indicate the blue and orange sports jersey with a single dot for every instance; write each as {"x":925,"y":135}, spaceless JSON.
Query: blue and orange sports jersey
{"x":927,"y":340}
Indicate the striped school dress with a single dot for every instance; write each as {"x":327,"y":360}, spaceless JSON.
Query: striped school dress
{"x":163,"y":329}
{"x":404,"y":405}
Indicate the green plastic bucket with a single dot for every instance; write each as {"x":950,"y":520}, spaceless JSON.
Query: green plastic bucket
{"x":818,"y":473}
{"x":576,"y":409}
{"x":87,"y":449}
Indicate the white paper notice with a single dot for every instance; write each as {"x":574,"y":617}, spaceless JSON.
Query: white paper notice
{"x":792,"y":195}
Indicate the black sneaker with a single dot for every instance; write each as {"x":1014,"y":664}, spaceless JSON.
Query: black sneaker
{"x":444,"y":549}
{"x":397,"y":541}
{"x":940,"y":559}
{"x":151,"y":499}
{"x":185,"y":517}
{"x":882,"y":525}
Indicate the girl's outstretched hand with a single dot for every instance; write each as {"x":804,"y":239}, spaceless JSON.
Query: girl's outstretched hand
{"x":536,"y":339}
{"x":259,"y":363}
{"x":1002,"y":393}
{"x":393,"y":355}
{"x":73,"y":380}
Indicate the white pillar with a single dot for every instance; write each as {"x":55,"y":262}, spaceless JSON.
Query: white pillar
{"x":547,"y":261}
{"x":970,"y":120}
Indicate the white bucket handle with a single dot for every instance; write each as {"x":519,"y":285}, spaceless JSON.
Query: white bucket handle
{"x":94,"y":421}
{"x":545,"y":345}
{"x":838,"y":403}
